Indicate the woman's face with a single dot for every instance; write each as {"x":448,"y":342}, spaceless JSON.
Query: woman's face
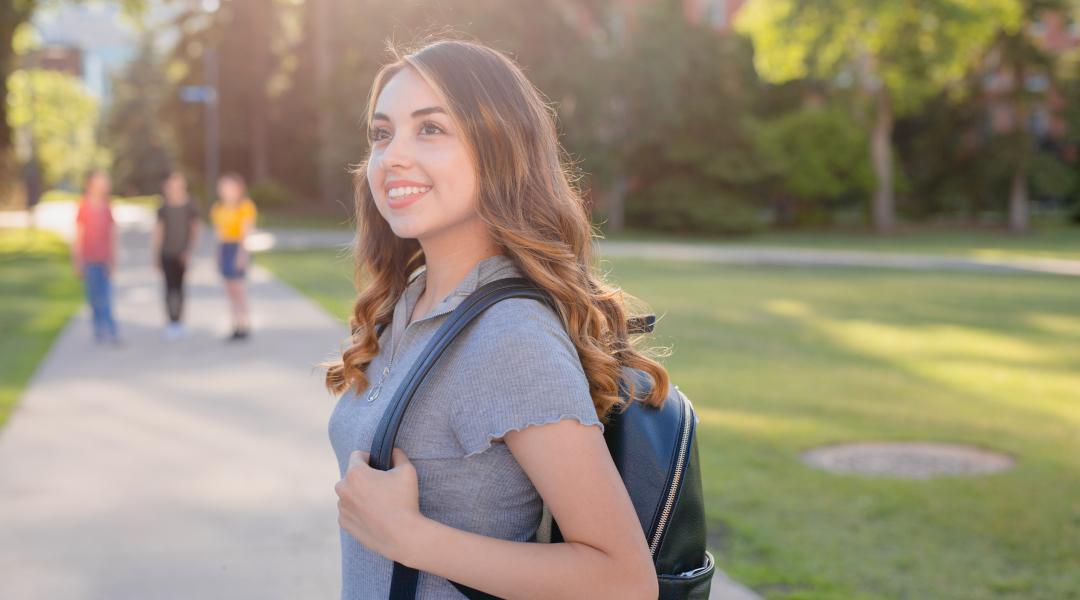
{"x":420,"y":172}
{"x":229,"y":191}
{"x":98,"y":185}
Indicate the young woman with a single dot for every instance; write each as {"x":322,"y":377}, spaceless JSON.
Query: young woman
{"x":93,"y":253}
{"x":464,"y":178}
{"x":233,"y":216}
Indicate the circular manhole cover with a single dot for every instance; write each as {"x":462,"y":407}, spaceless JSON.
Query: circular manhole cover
{"x":906,"y":460}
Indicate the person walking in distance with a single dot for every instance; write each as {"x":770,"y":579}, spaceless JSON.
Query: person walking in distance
{"x":174,"y":240}
{"x":233,"y":216}
{"x":93,"y":253}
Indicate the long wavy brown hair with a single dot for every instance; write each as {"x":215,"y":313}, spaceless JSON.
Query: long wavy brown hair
{"x":526,"y":198}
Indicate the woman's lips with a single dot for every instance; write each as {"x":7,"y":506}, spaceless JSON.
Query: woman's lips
{"x":404,"y":193}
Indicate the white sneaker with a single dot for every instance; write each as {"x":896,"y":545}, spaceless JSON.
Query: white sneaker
{"x":173,"y":332}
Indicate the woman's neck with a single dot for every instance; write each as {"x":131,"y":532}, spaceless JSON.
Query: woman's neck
{"x":449,"y":260}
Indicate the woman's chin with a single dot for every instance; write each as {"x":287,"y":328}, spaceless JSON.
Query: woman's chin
{"x":406,"y":230}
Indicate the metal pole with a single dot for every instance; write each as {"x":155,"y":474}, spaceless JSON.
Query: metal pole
{"x":213,"y":148}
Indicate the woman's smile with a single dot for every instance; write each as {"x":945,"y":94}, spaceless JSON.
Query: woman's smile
{"x":400,"y":194}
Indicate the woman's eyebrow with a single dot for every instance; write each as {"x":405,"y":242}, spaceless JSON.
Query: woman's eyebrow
{"x":427,"y":111}
{"x":420,"y":112}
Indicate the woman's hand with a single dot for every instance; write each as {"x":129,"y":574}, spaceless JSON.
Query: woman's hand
{"x":381,"y":509}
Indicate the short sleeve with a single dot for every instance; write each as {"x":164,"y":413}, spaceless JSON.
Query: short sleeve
{"x":248,"y":211}
{"x":524,"y":371}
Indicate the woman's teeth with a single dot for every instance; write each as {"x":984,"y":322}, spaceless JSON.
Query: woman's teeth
{"x":406,"y":191}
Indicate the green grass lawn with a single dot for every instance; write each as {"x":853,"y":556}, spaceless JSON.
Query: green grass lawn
{"x":38,"y":294}
{"x":1057,"y":241}
{"x":324,"y":275}
{"x":780,"y":360}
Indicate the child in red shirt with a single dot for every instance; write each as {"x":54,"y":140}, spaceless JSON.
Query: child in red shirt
{"x":92,"y":253}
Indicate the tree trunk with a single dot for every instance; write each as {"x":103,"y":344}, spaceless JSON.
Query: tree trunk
{"x":260,"y":143}
{"x":881,"y":155}
{"x":329,"y":168}
{"x":10,"y":19}
{"x":1018,"y":202}
{"x":1018,"y":192}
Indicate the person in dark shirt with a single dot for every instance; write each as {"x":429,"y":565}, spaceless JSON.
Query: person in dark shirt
{"x":175,"y":236}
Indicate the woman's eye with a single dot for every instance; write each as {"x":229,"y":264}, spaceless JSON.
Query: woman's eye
{"x":430,"y":129}
{"x":377,"y":135}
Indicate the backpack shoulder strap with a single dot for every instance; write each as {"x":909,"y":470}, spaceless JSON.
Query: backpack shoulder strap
{"x":479,"y":301}
{"x":404,"y":580}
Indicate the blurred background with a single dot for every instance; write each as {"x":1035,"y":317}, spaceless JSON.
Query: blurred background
{"x":858,"y":220}
{"x":705,"y":116}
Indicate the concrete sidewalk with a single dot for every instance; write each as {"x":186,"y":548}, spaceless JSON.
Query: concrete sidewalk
{"x":196,"y":469}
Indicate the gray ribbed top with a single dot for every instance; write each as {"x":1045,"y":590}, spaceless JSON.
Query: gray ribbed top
{"x":515,"y":366}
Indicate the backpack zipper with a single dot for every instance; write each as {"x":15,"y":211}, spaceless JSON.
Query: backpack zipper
{"x":669,"y":502}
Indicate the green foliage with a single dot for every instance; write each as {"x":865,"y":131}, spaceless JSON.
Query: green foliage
{"x":683,"y":99}
{"x":136,"y":134}
{"x":819,"y":154}
{"x":916,"y":49}
{"x":270,"y":194}
{"x":63,"y":118}
{"x":1050,"y":177}
{"x":685,"y":205}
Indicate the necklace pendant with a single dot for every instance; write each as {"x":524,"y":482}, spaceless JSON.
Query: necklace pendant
{"x":374,"y":393}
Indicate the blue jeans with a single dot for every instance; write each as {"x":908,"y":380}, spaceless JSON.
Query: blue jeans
{"x":99,"y":295}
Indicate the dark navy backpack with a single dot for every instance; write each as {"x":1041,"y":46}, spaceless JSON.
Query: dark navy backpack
{"x":654,"y":449}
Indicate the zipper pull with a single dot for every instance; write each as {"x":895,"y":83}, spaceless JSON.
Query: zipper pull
{"x":374,"y":393}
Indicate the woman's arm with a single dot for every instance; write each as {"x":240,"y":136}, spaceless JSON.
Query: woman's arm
{"x":605,"y":554}
{"x":246,"y":227}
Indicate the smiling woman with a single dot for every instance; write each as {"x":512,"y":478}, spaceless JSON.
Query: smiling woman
{"x":464,"y":186}
{"x":426,"y":146}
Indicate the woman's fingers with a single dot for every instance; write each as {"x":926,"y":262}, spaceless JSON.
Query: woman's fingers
{"x":358,"y":457}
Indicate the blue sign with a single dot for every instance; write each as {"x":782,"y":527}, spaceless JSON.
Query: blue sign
{"x":200,"y":94}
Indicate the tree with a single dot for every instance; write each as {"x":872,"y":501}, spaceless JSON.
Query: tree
{"x":688,"y":147}
{"x":13,"y":15}
{"x":818,"y":155}
{"x":245,"y":34}
{"x":906,"y":52}
{"x":63,"y":118}
{"x":135,"y":131}
{"x":1030,"y":73}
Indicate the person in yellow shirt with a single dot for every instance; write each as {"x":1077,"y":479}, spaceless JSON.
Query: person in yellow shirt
{"x":233,"y":217}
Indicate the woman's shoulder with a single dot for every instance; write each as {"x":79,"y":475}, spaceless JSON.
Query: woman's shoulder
{"x":522,"y":319}
{"x":519,"y":333}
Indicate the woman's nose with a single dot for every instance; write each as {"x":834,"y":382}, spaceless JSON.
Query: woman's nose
{"x":398,"y":154}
